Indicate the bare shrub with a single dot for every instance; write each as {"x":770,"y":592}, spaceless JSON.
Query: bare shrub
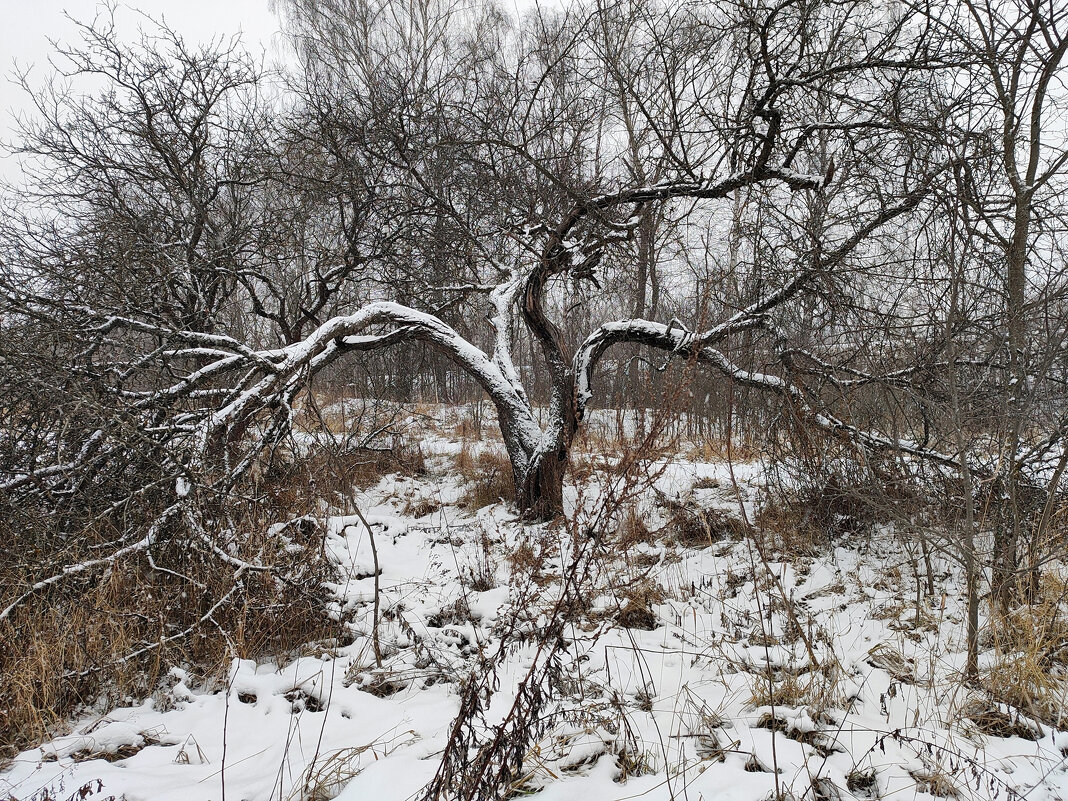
{"x":116,"y":636}
{"x":291,"y":482}
{"x":837,"y":500}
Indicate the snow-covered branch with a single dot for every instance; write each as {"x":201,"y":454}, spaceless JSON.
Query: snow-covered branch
{"x":348,"y":333}
{"x":686,"y":345}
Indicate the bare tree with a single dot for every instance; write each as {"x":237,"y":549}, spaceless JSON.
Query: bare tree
{"x":844,"y":214}
{"x":741,"y":112}
{"x":462,"y":184}
{"x":1011,"y":55}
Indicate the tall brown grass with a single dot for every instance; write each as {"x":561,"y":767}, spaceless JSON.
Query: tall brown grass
{"x":70,"y":646}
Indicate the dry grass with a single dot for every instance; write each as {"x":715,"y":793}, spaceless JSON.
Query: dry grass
{"x":65,"y":651}
{"x":292,"y":483}
{"x":530,"y":558}
{"x":474,"y":422}
{"x":327,"y":774}
{"x":597,"y":440}
{"x":70,"y":646}
{"x":784,"y":531}
{"x":719,"y":450}
{"x":694,"y":527}
{"x":935,"y":780}
{"x":802,"y":520}
{"x":817,"y":690}
{"x":488,"y":477}
{"x":633,"y":529}
{"x":612,"y":451}
{"x":464,"y":460}
{"x":466,"y":430}
{"x":636,"y":602}
{"x":420,"y":507}
{"x":994,"y":721}
{"x":1030,"y":666}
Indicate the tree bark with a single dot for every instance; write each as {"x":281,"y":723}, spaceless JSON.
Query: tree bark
{"x":540,"y":487}
{"x":1007,"y":536}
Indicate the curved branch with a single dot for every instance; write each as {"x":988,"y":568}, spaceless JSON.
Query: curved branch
{"x":558,"y":253}
{"x":347,"y":333}
{"x":142,"y":544}
{"x":685,"y":344}
{"x":504,"y":298}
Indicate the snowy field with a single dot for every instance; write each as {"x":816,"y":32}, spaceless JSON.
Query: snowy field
{"x":690,"y":670}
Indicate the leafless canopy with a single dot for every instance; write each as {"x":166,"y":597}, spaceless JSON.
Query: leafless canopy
{"x":836,"y":206}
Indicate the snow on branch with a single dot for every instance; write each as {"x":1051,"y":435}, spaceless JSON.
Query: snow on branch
{"x":348,"y":333}
{"x":685,"y":344}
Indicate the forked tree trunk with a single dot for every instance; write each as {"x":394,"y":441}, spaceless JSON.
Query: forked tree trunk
{"x":540,"y":460}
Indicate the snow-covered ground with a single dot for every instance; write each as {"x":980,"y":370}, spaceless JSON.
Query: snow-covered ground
{"x":816,"y":677}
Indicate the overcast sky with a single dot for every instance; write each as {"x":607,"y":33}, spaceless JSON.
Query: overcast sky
{"x":27,"y":25}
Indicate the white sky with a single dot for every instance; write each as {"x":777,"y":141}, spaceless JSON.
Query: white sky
{"x":27,"y":25}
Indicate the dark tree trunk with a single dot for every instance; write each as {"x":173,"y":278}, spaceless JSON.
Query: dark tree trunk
{"x":1007,"y":538}
{"x":1005,"y":563}
{"x":539,"y":489}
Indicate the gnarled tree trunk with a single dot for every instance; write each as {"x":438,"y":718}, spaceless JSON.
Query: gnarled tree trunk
{"x":539,"y":467}
{"x":539,"y":491}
